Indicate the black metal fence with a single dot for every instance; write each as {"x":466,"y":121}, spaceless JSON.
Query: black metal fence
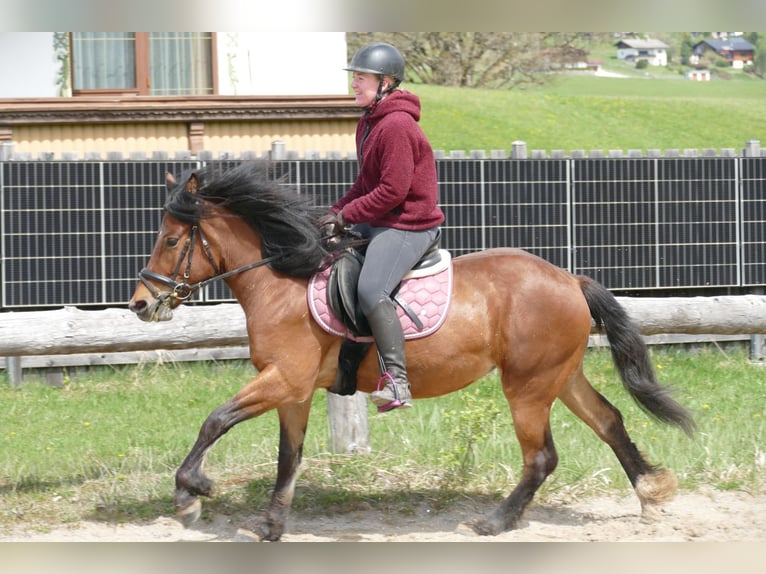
{"x":77,"y":232}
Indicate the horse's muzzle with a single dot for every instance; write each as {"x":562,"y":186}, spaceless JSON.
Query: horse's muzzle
{"x":151,"y":310}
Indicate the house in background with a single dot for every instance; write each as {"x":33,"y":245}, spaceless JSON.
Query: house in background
{"x":175,"y":92}
{"x":737,"y":51}
{"x":172,"y":63}
{"x":654,"y":52}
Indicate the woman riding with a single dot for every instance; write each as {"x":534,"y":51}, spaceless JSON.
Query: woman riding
{"x":393,"y":202}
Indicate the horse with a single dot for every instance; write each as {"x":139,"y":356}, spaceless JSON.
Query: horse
{"x":510,"y":311}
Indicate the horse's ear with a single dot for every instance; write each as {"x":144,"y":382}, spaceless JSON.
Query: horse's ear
{"x":192,"y":184}
{"x":170,"y":181}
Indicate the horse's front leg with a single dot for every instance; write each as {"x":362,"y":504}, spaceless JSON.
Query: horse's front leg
{"x":263,"y":393}
{"x":191,"y":481}
{"x":293,"y":420}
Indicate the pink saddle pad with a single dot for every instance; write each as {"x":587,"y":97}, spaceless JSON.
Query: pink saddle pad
{"x":428,"y":297}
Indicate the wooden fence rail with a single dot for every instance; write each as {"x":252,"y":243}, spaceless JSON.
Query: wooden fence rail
{"x":73,"y":331}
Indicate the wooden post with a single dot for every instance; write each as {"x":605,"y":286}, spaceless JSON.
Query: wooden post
{"x":757,"y":343}
{"x":758,"y":349}
{"x":15,"y":374}
{"x":55,"y":378}
{"x":349,"y":429}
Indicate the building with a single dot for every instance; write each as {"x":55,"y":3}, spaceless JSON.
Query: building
{"x":654,"y":52}
{"x":698,"y":75}
{"x":737,"y":51}
{"x":180,"y":92}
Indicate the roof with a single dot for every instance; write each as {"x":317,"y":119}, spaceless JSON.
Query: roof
{"x":730,"y":45}
{"x":642,"y":44}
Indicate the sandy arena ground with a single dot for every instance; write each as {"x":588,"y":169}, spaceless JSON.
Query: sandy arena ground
{"x":707,"y":516}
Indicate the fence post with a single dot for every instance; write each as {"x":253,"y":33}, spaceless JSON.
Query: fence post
{"x":753,"y":148}
{"x":13,"y":368}
{"x":347,"y":418}
{"x":6,"y":150}
{"x":757,"y":349}
{"x":757,"y":342}
{"x":278,"y":150}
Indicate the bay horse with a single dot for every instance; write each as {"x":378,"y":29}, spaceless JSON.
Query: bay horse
{"x":510,"y":311}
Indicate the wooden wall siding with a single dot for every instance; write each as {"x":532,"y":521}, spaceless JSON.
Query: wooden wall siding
{"x":213,"y":124}
{"x":216,"y":137}
{"x":301,"y":137}
{"x":99,"y":138}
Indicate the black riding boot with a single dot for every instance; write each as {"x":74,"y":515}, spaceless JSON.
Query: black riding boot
{"x":387,"y":331}
{"x":350,"y":357}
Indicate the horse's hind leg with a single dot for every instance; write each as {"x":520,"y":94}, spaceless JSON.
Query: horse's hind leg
{"x":534,"y":433}
{"x":653,"y":486}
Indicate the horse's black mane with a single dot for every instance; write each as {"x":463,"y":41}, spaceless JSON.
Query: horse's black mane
{"x":285,"y":219}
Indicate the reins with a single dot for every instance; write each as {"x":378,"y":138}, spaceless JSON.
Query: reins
{"x":183,"y":290}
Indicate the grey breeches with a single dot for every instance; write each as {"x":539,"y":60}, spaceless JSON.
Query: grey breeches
{"x":391,"y":253}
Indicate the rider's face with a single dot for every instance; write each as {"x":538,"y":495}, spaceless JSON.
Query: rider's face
{"x":365,"y":87}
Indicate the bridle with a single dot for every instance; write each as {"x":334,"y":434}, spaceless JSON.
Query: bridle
{"x":183,"y":290}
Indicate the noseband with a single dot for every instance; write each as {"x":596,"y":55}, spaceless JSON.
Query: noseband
{"x":183,"y":290}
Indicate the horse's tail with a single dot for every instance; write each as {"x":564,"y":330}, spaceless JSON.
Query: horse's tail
{"x":631,"y":357}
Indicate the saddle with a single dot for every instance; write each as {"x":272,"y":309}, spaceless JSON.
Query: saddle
{"x":422,"y":298}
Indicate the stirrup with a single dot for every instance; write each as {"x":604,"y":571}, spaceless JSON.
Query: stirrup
{"x":392,"y":395}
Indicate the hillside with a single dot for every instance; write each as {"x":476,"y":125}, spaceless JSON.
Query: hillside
{"x":584,"y":111}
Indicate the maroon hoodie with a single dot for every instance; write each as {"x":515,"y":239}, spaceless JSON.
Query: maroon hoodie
{"x":396,"y":185}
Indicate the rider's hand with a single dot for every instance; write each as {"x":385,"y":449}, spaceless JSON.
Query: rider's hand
{"x":332,"y":224}
{"x":328,"y":219}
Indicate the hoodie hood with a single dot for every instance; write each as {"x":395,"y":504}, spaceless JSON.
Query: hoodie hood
{"x":396,"y":101}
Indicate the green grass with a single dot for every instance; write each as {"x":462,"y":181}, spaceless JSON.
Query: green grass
{"x":106,"y":446}
{"x":578,"y":112}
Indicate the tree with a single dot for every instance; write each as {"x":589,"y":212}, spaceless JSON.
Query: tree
{"x":758,"y":40}
{"x":687,"y":48}
{"x":478,"y":59}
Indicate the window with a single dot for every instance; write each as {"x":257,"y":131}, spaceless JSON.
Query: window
{"x":143,"y":63}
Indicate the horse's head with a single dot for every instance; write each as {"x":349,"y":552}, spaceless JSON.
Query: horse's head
{"x":181,"y":261}
{"x":249,"y":216}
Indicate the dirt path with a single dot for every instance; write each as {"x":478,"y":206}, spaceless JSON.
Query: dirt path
{"x":701,"y":516}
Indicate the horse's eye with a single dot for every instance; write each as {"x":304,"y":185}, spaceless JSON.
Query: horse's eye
{"x":171,"y":242}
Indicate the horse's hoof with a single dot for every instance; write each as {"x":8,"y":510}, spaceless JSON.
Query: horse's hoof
{"x":263,"y":528}
{"x":483,"y":527}
{"x":190,"y":513}
{"x":654,"y":489}
{"x":465,"y":529}
{"x":650,"y":514}
{"x":244,"y":535}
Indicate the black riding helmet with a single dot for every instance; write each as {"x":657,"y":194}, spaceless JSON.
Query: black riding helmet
{"x":382,"y":59}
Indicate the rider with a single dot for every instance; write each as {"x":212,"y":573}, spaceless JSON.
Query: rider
{"x":393,"y":202}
